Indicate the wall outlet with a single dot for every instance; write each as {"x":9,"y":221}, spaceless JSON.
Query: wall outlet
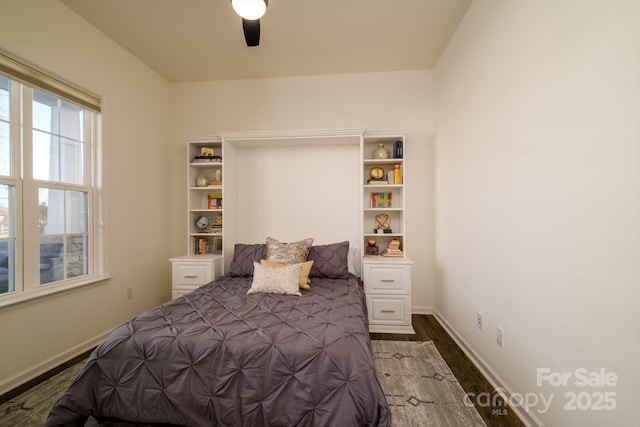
{"x":499,"y":336}
{"x":479,"y":320}
{"x":129,"y":293}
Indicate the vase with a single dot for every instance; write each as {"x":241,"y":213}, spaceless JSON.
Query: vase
{"x":380,"y":152}
{"x":202,"y":180}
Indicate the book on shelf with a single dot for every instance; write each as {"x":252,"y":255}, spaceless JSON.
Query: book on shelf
{"x":201,"y":246}
{"x":389,"y":253}
{"x":397,"y":175}
{"x":394,"y":244}
{"x":393,"y":249}
{"x":397,"y":150}
{"x":381,"y":200}
{"x":377,"y":181}
{"x":212,"y":160}
{"x":214,"y":201}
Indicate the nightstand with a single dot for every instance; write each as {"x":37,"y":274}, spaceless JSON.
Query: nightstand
{"x":189,"y":272}
{"x":387,"y":284}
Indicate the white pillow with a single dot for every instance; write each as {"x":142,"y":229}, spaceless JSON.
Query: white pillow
{"x":276,"y":280}
{"x":288,"y":253}
{"x":353,"y":261}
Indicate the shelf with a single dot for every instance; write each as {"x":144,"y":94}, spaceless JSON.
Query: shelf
{"x":382,"y":161}
{"x":217,"y":187}
{"x":398,"y":186}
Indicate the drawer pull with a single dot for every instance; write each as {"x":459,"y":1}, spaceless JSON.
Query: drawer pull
{"x":387,"y":311}
{"x":387,"y":280}
{"x":190,"y":277}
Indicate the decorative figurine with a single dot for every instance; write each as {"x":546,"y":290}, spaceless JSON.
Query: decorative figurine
{"x":382,"y":224}
{"x":202,"y":223}
{"x":207,"y":152}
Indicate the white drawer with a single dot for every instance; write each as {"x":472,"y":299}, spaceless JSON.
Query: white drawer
{"x":388,"y":279}
{"x":389,"y":310}
{"x":190,"y":274}
{"x":192,"y":271}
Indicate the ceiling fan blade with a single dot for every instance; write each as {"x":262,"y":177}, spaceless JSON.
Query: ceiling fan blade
{"x":251,"y":31}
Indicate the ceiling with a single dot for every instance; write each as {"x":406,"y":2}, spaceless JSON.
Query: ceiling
{"x":201,"y":40}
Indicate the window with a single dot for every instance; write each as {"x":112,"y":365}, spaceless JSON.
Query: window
{"x":49,"y":188}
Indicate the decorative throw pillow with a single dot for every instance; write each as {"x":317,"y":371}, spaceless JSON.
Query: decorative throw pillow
{"x":304,"y":271}
{"x":288,"y":253}
{"x":330,"y":260}
{"x":243,"y":258}
{"x":276,"y":280}
{"x":353,"y":262}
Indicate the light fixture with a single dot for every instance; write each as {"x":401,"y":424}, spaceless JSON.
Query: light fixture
{"x":250,"y":9}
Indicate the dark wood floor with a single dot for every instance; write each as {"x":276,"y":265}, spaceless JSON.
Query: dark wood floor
{"x":472,"y":381}
{"x":42,"y":378}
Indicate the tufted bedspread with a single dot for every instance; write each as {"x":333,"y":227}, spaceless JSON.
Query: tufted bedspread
{"x":219,"y":357}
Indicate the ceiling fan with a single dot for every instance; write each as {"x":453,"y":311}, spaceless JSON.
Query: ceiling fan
{"x":250,"y":11}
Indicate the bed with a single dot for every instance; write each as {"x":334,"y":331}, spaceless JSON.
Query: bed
{"x":228,"y":355}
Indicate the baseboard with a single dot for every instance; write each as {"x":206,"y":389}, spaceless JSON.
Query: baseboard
{"x":421,"y":310}
{"x":526,"y":417}
{"x":27,"y":375}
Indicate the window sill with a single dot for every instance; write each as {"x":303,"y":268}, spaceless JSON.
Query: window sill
{"x":20,"y":299}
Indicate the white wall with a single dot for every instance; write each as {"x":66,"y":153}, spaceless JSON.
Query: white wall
{"x":537,"y":207}
{"x":292,"y":193}
{"x":375,"y":101}
{"x":40,"y":335}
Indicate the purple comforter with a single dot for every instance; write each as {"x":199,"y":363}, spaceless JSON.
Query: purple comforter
{"x":219,"y":357}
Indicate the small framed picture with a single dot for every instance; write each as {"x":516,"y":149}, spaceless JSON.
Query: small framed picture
{"x":217,"y":244}
{"x":381,"y":200}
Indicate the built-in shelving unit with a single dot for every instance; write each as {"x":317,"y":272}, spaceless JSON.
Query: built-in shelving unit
{"x":386,"y":272}
{"x":386,"y":267}
{"x":204,"y":260}
{"x":383,"y":221}
{"x":205,"y":194}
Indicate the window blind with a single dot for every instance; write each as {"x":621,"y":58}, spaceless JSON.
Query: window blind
{"x":24,"y":71}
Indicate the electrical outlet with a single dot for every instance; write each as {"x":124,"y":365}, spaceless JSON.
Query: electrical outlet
{"x":129,"y":293}
{"x":499,"y":336}
{"x":479,"y":321}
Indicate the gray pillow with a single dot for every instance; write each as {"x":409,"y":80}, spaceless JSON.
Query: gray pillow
{"x":330,"y":260}
{"x":244,"y":256}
